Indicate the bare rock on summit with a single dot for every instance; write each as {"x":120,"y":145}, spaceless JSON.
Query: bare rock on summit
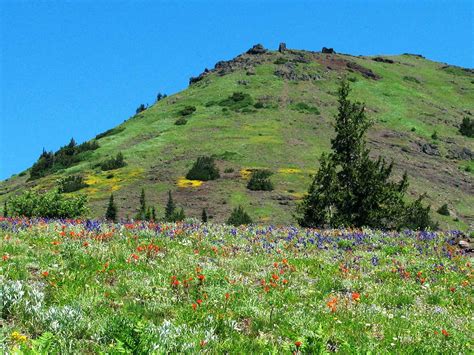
{"x":282,"y":47}
{"x":257,"y":49}
{"x":328,"y":50}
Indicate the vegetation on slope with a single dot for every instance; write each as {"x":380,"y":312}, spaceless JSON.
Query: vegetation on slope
{"x":284,"y":126}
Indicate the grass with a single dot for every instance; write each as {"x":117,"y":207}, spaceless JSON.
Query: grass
{"x":292,"y":129}
{"x":89,"y":287}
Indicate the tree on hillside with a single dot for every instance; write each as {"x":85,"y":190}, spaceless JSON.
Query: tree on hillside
{"x":170,"y":208}
{"x":467,"y":127}
{"x":204,"y":216}
{"x":5,"y":209}
{"x":111,"y":213}
{"x":239,"y":217}
{"x":142,"y":212}
{"x":350,"y":189}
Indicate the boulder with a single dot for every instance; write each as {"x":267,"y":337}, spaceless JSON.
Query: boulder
{"x":430,"y":149}
{"x":257,"y":49}
{"x":328,"y":50}
{"x":383,"y":60}
{"x":282,"y":47}
{"x":460,"y":154}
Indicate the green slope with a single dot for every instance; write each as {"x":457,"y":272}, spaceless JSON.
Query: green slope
{"x":408,"y":100}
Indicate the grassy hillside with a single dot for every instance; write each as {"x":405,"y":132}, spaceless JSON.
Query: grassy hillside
{"x":284,"y":124}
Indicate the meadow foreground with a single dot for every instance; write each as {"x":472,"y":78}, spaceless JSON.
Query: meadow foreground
{"x":85,"y":287}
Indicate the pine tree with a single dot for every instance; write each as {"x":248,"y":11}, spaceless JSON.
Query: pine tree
{"x":170,"y":208}
{"x":111,"y":213}
{"x":179,"y":216}
{"x":142,"y":212}
{"x":239,"y":217}
{"x":350,"y":189}
{"x":153,"y":214}
{"x":204,"y":216}
{"x":5,"y":209}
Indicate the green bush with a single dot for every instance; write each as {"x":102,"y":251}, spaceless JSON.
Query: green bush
{"x":237,"y":101}
{"x":260,"y":181}
{"x":49,"y":205}
{"x":204,"y":169}
{"x":239,"y":217}
{"x":181,"y":121}
{"x":113,"y":163}
{"x":467,"y":127}
{"x":71,"y":183}
{"x":188,"y":110}
{"x":305,"y":108}
{"x":443,"y":210}
{"x":110,"y":132}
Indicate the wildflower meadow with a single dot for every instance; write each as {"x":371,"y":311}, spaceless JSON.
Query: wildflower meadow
{"x":82,"y":286}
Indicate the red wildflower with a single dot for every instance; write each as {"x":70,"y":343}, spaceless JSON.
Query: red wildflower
{"x":194,"y":305}
{"x":285,"y":281}
{"x":275,"y":277}
{"x":227,"y":296}
{"x":298,"y":344}
{"x":5,"y":257}
{"x":85,"y":244}
{"x":45,"y":273}
{"x":199,"y":301}
{"x":201,"y":277}
{"x":445,"y":333}
{"x":275,"y":264}
{"x":355,"y":296}
{"x":452,"y":289}
{"x":284,"y":261}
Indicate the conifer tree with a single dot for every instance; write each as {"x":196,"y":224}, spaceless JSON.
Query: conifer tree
{"x":170,"y":208}
{"x":142,"y":212}
{"x":204,"y":216}
{"x":239,"y":217}
{"x":111,"y":213}
{"x":5,"y":209}
{"x":350,"y":189}
{"x":153,"y":214}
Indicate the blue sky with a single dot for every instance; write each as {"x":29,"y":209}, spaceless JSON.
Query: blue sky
{"x":77,"y":68}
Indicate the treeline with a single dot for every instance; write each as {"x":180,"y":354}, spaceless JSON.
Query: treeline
{"x":65,"y":157}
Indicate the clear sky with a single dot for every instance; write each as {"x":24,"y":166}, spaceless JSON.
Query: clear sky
{"x":77,"y":68}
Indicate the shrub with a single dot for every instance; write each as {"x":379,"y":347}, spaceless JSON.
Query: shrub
{"x":188,"y":110}
{"x":260,"y":181}
{"x":160,"y":96}
{"x":140,"y":108}
{"x":204,"y":216}
{"x":229,"y":170}
{"x":181,"y":121}
{"x":443,"y":210}
{"x":305,"y":108}
{"x":113,"y":163}
{"x":239,"y":217}
{"x":49,"y":205}
{"x":467,"y":127}
{"x":259,"y":105}
{"x":204,"y":169}
{"x":237,"y":101}
{"x":71,"y":183}
{"x":434,"y":135}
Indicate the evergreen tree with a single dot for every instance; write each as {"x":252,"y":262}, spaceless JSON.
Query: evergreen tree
{"x":204,"y":169}
{"x":5,"y":209}
{"x":239,"y":217}
{"x":153,"y":214}
{"x":204,"y":216}
{"x":111,"y":213}
{"x":179,"y":216}
{"x":142,"y":212}
{"x":170,"y":208}
{"x":350,"y":189}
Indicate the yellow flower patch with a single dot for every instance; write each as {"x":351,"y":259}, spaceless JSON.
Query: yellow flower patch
{"x":289,"y":171}
{"x":183,"y":182}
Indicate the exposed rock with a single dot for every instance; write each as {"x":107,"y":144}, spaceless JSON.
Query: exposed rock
{"x":257,"y":49}
{"x":460,"y":154}
{"x":328,"y":50}
{"x":288,"y":72}
{"x":414,"y":55}
{"x":463,"y":242}
{"x":282,"y":47}
{"x":383,"y":60}
{"x":364,"y":71}
{"x":430,"y":149}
